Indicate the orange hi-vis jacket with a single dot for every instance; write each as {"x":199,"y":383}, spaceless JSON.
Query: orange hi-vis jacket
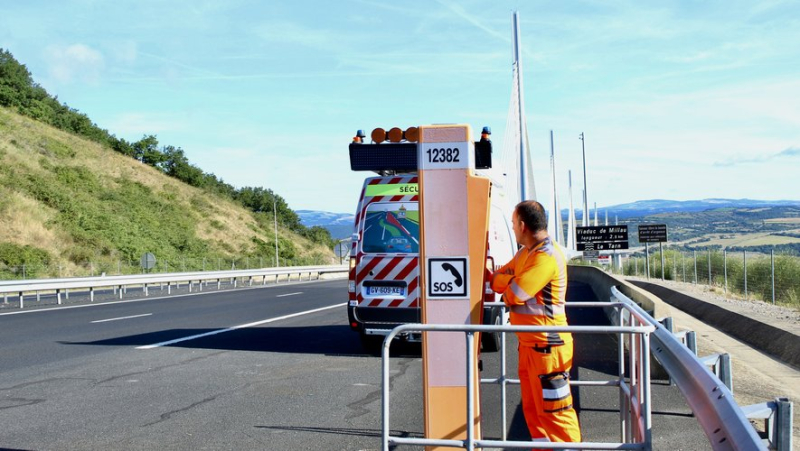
{"x":534,"y":286}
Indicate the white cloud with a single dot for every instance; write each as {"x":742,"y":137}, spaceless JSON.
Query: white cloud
{"x":80,"y":62}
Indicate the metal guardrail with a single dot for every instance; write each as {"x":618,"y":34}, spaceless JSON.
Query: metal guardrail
{"x":722,"y":420}
{"x":121,"y":283}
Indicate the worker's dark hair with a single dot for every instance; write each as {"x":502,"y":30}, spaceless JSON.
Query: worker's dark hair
{"x":531,"y":213}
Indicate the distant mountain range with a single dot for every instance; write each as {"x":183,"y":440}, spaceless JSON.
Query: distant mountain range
{"x":657,"y":206}
{"x":341,"y":224}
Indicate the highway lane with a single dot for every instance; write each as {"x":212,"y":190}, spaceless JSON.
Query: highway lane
{"x":69,"y":382}
{"x":300,"y":383}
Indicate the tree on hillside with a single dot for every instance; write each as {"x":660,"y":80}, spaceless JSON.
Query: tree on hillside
{"x":15,"y":80}
{"x":146,"y":150}
{"x":260,"y":199}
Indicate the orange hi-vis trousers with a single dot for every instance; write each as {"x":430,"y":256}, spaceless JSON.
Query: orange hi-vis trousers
{"x":546,"y":395}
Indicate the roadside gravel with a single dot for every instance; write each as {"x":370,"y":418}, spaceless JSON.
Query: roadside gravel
{"x":757,"y":377}
{"x":786,"y":318}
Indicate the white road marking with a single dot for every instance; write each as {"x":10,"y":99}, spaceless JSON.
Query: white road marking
{"x":121,"y":317}
{"x":241,"y":326}
{"x":288,"y":294}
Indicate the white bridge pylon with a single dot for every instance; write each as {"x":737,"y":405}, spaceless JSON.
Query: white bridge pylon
{"x":516,"y":169}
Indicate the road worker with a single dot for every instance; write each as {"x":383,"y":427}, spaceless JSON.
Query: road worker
{"x":534,"y":286}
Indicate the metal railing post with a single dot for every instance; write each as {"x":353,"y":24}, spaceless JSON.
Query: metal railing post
{"x":503,"y":374}
{"x":470,"y":392}
{"x":745,"y":275}
{"x":725,"y":270}
{"x":772,"y":265}
{"x":683,"y":263}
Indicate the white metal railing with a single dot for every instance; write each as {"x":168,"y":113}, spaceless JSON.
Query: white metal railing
{"x":635,"y":416}
{"x":121,"y":283}
{"x":721,"y":418}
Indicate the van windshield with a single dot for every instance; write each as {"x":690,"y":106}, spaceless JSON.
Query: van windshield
{"x":391,"y":227}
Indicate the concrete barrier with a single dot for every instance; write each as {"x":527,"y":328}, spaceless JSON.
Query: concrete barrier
{"x":769,"y":339}
{"x":601,"y":283}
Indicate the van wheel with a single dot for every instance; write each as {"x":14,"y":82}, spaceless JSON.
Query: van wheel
{"x":491,"y":341}
{"x":372,"y":343}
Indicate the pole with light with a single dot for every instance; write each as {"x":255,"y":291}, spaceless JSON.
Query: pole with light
{"x":275,"y":219}
{"x":585,"y":189}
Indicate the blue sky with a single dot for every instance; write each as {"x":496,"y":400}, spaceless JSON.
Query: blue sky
{"x":678,"y":100}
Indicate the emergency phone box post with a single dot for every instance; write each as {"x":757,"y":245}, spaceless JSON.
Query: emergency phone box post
{"x":454,"y":222}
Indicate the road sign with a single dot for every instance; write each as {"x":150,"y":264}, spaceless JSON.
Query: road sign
{"x":447,"y":277}
{"x":604,"y":259}
{"x":342,"y":249}
{"x":148,"y":261}
{"x":602,"y":238}
{"x":652,"y":233}
{"x":590,"y":254}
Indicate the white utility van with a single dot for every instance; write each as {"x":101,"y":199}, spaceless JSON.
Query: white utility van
{"x":383,"y":287}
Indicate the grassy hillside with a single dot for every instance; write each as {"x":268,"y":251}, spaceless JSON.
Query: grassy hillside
{"x":69,"y":205}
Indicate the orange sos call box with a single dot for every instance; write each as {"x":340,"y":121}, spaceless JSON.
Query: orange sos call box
{"x":454,"y":221}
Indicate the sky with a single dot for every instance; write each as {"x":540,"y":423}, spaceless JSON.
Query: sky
{"x":677,"y":100}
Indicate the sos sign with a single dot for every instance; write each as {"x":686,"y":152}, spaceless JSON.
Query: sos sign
{"x":447,"y":278}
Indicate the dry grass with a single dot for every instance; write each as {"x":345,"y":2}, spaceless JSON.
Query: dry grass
{"x":750,"y":239}
{"x":22,"y":221}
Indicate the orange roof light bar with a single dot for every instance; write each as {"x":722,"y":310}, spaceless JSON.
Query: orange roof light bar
{"x":395,"y":135}
{"x":411,"y":134}
{"x":378,"y":135}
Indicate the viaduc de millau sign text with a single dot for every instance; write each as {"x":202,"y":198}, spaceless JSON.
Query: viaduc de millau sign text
{"x":602,"y":238}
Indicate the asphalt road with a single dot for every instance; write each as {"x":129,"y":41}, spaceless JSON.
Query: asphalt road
{"x":263,"y":368}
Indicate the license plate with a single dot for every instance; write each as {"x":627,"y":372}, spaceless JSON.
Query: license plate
{"x":384,"y":291}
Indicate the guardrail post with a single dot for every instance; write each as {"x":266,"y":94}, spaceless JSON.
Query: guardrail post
{"x":781,"y":427}
{"x":726,"y":371}
{"x":691,"y":341}
{"x":669,"y":325}
{"x":667,"y":322}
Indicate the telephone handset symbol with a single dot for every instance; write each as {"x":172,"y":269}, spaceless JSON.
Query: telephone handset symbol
{"x":448,"y":267}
